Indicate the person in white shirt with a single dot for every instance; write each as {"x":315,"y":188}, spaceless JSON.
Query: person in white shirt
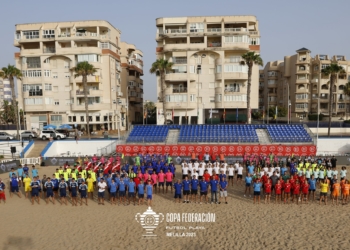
{"x":231,"y":173}
{"x":101,"y":191}
{"x":210,"y":169}
{"x":185,"y":170}
{"x":223,"y":168}
{"x":240,"y":174}
{"x":194,"y":174}
{"x":206,"y":157}
{"x":190,"y":166}
{"x":216,"y":168}
{"x":236,"y":167}
{"x":201,"y":171}
{"x":195,"y":166}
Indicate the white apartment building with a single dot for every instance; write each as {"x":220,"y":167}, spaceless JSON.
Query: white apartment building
{"x":207,"y":76}
{"x":49,"y":91}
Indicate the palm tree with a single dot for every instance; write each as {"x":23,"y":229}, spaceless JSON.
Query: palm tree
{"x":84,"y":69}
{"x":346,"y":92}
{"x":160,"y":67}
{"x":10,"y":73}
{"x":332,"y":71}
{"x":250,"y":59}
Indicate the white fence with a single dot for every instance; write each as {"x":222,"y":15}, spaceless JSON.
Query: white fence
{"x":28,"y":161}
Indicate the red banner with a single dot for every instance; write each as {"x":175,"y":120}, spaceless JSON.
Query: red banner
{"x":229,"y":150}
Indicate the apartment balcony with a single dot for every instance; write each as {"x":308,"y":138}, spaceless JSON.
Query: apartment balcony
{"x":214,"y":45}
{"x":254,"y":33}
{"x":180,"y":60}
{"x":303,"y":90}
{"x":90,"y":79}
{"x":213,"y":31}
{"x":218,"y":76}
{"x":301,"y":100}
{"x":184,"y":46}
{"x":35,"y":108}
{"x":236,"y":46}
{"x":92,"y":106}
{"x":49,"y":50}
{"x":236,"y":31}
{"x":179,"y":90}
{"x":175,"y":33}
{"x":31,"y":52}
{"x":302,"y":80}
{"x":78,"y":50}
{"x":81,"y":36}
{"x":235,"y":75}
{"x":28,"y":94}
{"x":27,"y":39}
{"x":274,"y":85}
{"x":303,"y":61}
{"x":303,"y":71}
{"x":180,"y":105}
{"x":314,"y":80}
{"x":175,"y":77}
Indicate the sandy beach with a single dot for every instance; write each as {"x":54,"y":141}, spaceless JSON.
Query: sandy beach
{"x":238,"y":225}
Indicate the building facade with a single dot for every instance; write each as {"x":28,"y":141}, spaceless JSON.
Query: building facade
{"x":299,"y":78}
{"x":131,"y":82}
{"x":50,"y":93}
{"x":207,"y":78}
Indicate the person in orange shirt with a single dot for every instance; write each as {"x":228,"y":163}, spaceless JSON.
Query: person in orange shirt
{"x":222,"y":157}
{"x":335,"y":193}
{"x":193,"y":156}
{"x":345,"y":191}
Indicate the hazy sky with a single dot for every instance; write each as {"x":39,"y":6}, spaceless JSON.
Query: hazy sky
{"x":285,"y":26}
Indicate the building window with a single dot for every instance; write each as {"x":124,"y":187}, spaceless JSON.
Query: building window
{"x":301,"y":96}
{"x":179,"y":69}
{"x":33,"y":89}
{"x":218,"y":68}
{"x":47,"y":73}
{"x":176,"y":98}
{"x":74,"y":118}
{"x":33,"y":62}
{"x":192,"y":98}
{"x":31,"y":73}
{"x":341,"y":105}
{"x":97,"y":118}
{"x":236,"y":39}
{"x":88,"y":58}
{"x":48,"y":33}
{"x":271,"y":82}
{"x":33,"y":101}
{"x":47,"y":60}
{"x":30,"y":34}
{"x":211,"y":99}
{"x":272,"y":73}
{"x":233,"y":87}
{"x":196,"y":27}
{"x":235,"y":68}
{"x":54,"y":75}
{"x":56,"y":118}
{"x":218,"y":97}
{"x":235,"y":98}
{"x":301,"y":106}
{"x":57,"y":102}
{"x":255,"y":41}
{"x":69,"y":119}
{"x":105,"y":45}
{"x":323,"y":66}
{"x":82,"y":118}
{"x":48,"y":86}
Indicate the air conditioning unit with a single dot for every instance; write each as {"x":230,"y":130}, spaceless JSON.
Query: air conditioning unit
{"x":114,"y":101}
{"x":120,"y":93}
{"x":120,"y":102}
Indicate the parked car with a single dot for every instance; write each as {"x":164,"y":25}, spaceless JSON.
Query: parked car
{"x":47,"y":134}
{"x":6,"y":136}
{"x":63,"y":131}
{"x":28,"y":135}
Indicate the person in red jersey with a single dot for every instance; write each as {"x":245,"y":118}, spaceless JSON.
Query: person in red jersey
{"x":267,"y":190}
{"x":278,"y":191}
{"x":296,"y":192}
{"x":302,"y":180}
{"x":287,"y":190}
{"x":292,"y":182}
{"x":305,"y":191}
{"x":206,"y":176}
{"x":161,"y":180}
{"x":264,"y":179}
{"x":282,"y":187}
{"x":146,"y":176}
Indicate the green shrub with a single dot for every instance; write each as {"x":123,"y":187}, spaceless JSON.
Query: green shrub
{"x":313,"y":117}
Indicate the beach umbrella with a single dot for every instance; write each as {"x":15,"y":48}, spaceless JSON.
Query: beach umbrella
{"x":50,"y":126}
{"x":65,"y":126}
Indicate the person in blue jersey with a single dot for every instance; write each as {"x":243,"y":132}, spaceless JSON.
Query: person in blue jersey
{"x":55,"y":182}
{"x":26,"y":170}
{"x":62,"y":187}
{"x":20,"y":174}
{"x":49,"y":190}
{"x":143,"y":169}
{"x":223,"y":189}
{"x":149,"y":192}
{"x":203,"y":185}
{"x":186,"y":183}
{"x":213,"y":190}
{"x":141,"y":192}
{"x":74,"y":191}
{"x":257,"y":189}
{"x":194,"y":188}
{"x":113,"y":192}
{"x":83,"y":193}
{"x":80,"y":181}
{"x":35,"y":172}
{"x":131,"y":191}
{"x":14,"y":183}
{"x":35,"y":185}
{"x":248,"y":184}
{"x":12,"y":172}
{"x":178,"y":188}
{"x":312,"y":187}
{"x":122,"y":190}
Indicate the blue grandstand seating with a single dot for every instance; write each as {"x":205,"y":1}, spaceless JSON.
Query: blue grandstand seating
{"x":148,"y":134}
{"x":220,"y":133}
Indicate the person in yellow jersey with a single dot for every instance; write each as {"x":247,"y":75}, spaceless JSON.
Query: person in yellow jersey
{"x":84,"y":173}
{"x":60,"y":170}
{"x":57,"y":174}
{"x":93,"y":176}
{"x":324,"y":190}
{"x":65,"y":175}
{"x":27,"y":187}
{"x":73,"y":175}
{"x":90,"y":184}
{"x":69,"y":170}
{"x":79,"y":160}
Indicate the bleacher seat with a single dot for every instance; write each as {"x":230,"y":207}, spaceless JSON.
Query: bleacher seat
{"x":148,"y":134}
{"x":288,"y":133}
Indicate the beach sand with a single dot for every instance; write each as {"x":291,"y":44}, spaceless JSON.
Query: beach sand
{"x":238,"y":225}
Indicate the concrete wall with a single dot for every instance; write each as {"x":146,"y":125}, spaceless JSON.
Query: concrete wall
{"x":59,"y":148}
{"x":330,"y":146}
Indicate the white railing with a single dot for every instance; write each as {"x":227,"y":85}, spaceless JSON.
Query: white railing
{"x":253,"y":32}
{"x":180,"y":61}
{"x":214,"y":30}
{"x":196,"y":30}
{"x":235,"y":29}
{"x":30,"y":161}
